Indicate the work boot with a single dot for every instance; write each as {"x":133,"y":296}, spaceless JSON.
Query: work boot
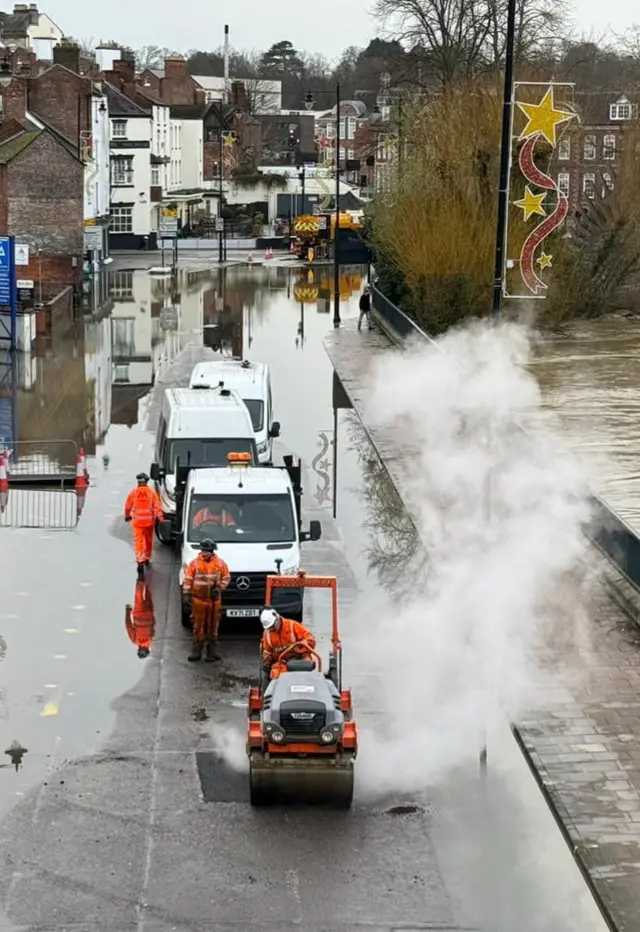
{"x":212,"y":651}
{"x":196,"y":652}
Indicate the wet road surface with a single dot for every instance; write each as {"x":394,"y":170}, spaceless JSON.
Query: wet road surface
{"x":122,"y":814}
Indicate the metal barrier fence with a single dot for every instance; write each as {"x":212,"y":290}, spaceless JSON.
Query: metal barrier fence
{"x":45,"y":463}
{"x":47,"y":509}
{"x":607,"y":530}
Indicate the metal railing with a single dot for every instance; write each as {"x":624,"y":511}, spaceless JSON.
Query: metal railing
{"x":40,"y":464}
{"x":46,"y":509}
{"x":607,"y":530}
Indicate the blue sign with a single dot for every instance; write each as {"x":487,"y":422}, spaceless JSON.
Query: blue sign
{"x":5,"y":271}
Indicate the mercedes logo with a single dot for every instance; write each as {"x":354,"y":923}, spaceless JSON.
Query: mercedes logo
{"x":243,"y":583}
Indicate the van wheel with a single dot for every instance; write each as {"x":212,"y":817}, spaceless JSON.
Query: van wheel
{"x":163,"y":540}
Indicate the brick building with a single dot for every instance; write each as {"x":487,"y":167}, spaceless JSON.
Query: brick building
{"x":41,"y":189}
{"x":588,"y":153}
{"x":174,"y":84}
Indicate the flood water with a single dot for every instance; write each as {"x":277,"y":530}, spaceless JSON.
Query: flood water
{"x":590,"y":381}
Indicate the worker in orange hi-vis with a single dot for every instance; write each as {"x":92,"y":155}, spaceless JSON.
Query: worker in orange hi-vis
{"x":280,"y":634}
{"x":140,"y":620}
{"x":204,"y":580}
{"x":142,"y":508}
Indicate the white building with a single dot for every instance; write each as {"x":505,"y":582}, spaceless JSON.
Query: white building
{"x":97,"y":195}
{"x":28,"y":28}
{"x":263,"y":96}
{"x":131,"y":328}
{"x":132,"y":212}
{"x":97,"y":366}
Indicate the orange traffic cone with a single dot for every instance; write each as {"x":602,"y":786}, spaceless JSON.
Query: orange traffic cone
{"x":4,"y":483}
{"x":82,"y":483}
{"x":266,"y":254}
{"x":250,"y":259}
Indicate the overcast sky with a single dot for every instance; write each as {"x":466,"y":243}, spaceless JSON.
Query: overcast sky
{"x":326,"y":27}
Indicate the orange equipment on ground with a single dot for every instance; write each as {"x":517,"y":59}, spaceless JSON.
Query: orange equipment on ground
{"x":302,"y":737}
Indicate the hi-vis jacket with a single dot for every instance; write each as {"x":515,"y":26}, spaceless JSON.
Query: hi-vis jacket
{"x":202,"y":576}
{"x":275,"y":642}
{"x":143,"y":506}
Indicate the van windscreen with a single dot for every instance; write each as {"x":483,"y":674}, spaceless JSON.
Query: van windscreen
{"x":255,"y":408}
{"x":209,"y":452}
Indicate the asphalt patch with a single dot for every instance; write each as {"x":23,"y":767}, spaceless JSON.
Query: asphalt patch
{"x":220,"y":782}
{"x":404,"y":810}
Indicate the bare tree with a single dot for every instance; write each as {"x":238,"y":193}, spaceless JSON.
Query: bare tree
{"x":152,"y":56}
{"x":261,"y":95}
{"x":461,"y":38}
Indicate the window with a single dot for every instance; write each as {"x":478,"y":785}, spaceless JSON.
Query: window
{"x":213,"y":135}
{"x":341,"y":154}
{"x":123,"y":337}
{"x":330,"y":130}
{"x":589,"y":185}
{"x":256,"y":410}
{"x":607,"y":185}
{"x":563,"y":183}
{"x":342,"y":128}
{"x":119,"y":129}
{"x":242,"y":519}
{"x":351,"y":154}
{"x":122,"y":170}
{"x":623,"y":110}
{"x":121,"y":374}
{"x":564,"y":148}
{"x":122,"y":220}
{"x":589,"y":150}
{"x":609,"y":148}
{"x":121,"y":285}
{"x":352,"y":124}
{"x":210,"y":452}
{"x":155,"y":175}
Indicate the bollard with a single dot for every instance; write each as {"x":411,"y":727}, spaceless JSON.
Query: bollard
{"x":4,"y":483}
{"x":82,"y":483}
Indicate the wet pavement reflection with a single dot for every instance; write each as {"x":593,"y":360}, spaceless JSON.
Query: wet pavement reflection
{"x":590,"y":380}
{"x":102,"y":723}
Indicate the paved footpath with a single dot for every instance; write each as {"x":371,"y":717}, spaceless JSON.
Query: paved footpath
{"x":585,"y":748}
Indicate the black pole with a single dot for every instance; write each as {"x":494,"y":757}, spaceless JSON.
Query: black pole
{"x":336,"y":249}
{"x":505,"y":155}
{"x":304,"y":178}
{"x":220,"y":243}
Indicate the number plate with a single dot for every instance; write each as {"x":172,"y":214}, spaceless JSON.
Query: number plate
{"x":243,"y":613}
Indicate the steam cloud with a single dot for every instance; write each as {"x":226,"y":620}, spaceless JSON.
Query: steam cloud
{"x":500,"y":513}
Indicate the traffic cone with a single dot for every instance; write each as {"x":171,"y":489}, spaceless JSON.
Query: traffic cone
{"x":82,"y":483}
{"x":266,"y":254}
{"x":4,"y":483}
{"x":250,"y":259}
{"x":270,"y":252}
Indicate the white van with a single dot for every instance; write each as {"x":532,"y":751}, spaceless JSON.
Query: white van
{"x":252,"y":381}
{"x":198,"y":428}
{"x":260,"y":535}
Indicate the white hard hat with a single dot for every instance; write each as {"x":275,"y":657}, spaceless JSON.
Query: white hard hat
{"x":268,"y":617}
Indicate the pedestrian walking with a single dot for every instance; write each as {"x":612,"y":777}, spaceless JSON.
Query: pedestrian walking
{"x":365,"y":308}
{"x":142,"y":508}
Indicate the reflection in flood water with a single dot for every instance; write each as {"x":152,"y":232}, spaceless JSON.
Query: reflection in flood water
{"x":395,"y":553}
{"x":591,"y":382}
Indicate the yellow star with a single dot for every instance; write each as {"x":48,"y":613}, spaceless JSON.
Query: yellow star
{"x":531,"y":203}
{"x":545,"y":261}
{"x":543,"y":118}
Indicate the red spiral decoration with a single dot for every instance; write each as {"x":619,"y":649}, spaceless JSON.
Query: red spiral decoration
{"x":544,"y":229}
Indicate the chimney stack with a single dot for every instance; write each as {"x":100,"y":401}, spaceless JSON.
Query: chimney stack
{"x":34,"y":15}
{"x":67,"y":54}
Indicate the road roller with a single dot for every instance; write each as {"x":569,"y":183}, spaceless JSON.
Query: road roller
{"x":303,"y":738}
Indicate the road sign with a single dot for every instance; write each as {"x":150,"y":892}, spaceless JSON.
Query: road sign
{"x":168,"y":227}
{"x":5,"y":270}
{"x":219,"y":224}
{"x":22,"y":254}
{"x":24,"y":283}
{"x":169,"y":213}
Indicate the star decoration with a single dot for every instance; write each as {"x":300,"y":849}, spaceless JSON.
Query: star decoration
{"x":543,"y":118}
{"x":531,"y":203}
{"x":544,"y":261}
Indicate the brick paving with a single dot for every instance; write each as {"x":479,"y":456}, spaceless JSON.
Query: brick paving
{"x":585,"y":746}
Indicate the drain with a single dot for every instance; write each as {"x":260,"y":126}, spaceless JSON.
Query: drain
{"x":403,"y":810}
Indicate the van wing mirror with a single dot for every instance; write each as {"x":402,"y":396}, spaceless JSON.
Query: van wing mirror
{"x":314,"y":532}
{"x":275,"y":430}
{"x":155,"y":472}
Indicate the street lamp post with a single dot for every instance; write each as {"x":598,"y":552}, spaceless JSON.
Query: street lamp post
{"x":220,"y":192}
{"x":505,"y":161}
{"x":336,"y":242}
